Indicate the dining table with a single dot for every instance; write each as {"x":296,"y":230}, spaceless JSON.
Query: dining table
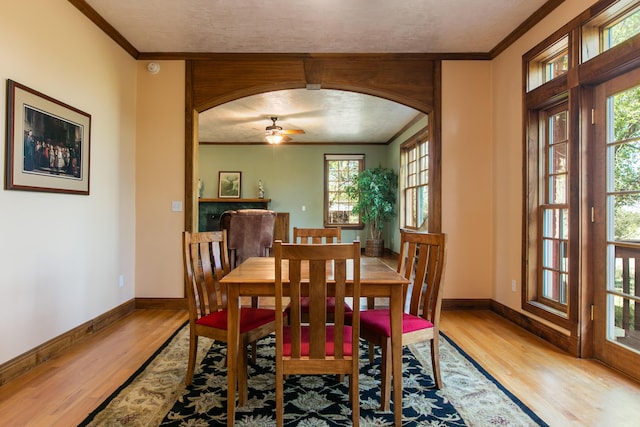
{"x":255,"y":277}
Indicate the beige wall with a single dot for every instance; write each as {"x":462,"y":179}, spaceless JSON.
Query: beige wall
{"x":467,"y":181}
{"x":61,"y":255}
{"x":160,"y":169}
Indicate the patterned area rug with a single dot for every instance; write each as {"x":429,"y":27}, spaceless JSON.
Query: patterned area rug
{"x":156,"y":395}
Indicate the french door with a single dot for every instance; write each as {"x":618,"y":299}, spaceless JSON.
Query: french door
{"x":616,"y":221}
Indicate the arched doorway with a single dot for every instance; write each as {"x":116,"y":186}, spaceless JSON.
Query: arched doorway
{"x":412,"y":80}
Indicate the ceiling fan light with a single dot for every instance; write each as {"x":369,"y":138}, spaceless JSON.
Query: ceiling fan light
{"x":273,"y":138}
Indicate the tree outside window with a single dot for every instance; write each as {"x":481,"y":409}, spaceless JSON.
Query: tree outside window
{"x":339,"y":173}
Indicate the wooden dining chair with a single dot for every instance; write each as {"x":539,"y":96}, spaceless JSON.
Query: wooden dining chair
{"x":421,"y":260}
{"x":318,"y":236}
{"x":206,"y":261}
{"x":318,"y":347}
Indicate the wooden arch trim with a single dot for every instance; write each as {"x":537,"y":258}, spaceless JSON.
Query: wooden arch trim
{"x":409,"y":79}
{"x":406,"y":80}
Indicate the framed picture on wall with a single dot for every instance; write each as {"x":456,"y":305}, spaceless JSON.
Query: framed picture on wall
{"x":229,"y":184}
{"x":47,"y":143}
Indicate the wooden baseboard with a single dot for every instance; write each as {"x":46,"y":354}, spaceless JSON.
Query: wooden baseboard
{"x":162,"y":303}
{"x":466,"y":304}
{"x":54,"y":347}
{"x":553,"y":336}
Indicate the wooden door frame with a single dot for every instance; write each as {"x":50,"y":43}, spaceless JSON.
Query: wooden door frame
{"x":610,"y":353}
{"x":410,"y":79}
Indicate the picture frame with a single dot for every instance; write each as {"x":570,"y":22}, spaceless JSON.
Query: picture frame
{"x":229,"y":184}
{"x":47,"y":143}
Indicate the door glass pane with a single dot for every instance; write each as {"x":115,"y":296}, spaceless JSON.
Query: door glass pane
{"x":623,"y":215}
{"x":624,"y":330}
{"x":626,"y":217}
{"x":627,"y":166}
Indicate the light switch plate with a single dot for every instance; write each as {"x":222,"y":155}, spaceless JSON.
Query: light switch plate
{"x":176,"y":206}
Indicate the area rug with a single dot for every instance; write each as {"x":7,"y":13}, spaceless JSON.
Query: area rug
{"x":155,"y":395}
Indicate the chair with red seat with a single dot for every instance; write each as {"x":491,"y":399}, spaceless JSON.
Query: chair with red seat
{"x":206,"y":261}
{"x":422,"y":258}
{"x":318,"y":236}
{"x":317,"y":347}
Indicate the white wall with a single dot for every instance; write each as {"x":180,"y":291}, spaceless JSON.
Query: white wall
{"x":61,"y":255}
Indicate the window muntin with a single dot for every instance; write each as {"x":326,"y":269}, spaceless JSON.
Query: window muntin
{"x":415,"y":182}
{"x":339,"y":172}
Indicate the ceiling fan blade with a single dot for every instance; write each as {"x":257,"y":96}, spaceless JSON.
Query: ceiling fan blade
{"x":291,"y":131}
{"x":285,"y":138}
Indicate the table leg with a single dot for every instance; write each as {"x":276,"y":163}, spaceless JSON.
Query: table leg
{"x":233,"y":338}
{"x":397,"y":307}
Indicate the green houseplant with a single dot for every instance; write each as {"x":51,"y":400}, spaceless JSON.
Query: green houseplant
{"x":375,"y":192}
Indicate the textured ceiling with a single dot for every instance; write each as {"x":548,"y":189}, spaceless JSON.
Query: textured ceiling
{"x":312,"y":26}
{"x":325,"y":116}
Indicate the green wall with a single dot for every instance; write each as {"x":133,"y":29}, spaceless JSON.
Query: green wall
{"x":292,"y":175}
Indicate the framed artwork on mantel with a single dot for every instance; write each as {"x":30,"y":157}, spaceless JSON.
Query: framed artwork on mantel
{"x":229,"y":185}
{"x":47,"y":143}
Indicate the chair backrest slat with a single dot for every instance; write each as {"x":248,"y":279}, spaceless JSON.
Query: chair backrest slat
{"x":422,"y":257}
{"x":317,"y":235}
{"x":325,"y":267}
{"x":206,"y":262}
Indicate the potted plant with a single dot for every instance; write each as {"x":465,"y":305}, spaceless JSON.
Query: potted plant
{"x":375,"y":190}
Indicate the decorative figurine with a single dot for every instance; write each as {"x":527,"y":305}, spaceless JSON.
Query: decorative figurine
{"x":260,"y":190}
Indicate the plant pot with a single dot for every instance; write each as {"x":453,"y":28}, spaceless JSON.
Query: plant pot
{"x":374,"y":247}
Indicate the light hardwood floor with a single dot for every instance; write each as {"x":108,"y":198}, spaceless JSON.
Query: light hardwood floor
{"x":562,"y":390}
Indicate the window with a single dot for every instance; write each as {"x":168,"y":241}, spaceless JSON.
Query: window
{"x":550,"y":274}
{"x":339,"y":172}
{"x":415,"y":181}
{"x":550,"y":280}
{"x":559,"y":195}
{"x":552,"y":62}
{"x":554,"y":210}
{"x":621,"y":29}
{"x":614,"y":25}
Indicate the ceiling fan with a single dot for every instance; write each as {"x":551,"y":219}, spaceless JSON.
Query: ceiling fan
{"x":274,"y":134}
